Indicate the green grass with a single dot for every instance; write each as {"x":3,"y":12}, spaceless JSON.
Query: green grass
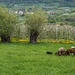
{"x":31,"y":59}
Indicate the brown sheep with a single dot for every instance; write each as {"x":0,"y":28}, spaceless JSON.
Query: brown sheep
{"x":70,"y":50}
{"x":61,"y":51}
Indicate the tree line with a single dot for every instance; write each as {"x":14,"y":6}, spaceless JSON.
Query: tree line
{"x":67,"y":3}
{"x":33,"y":27}
{"x":9,"y":21}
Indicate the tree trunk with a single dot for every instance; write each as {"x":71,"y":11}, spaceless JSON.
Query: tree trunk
{"x":5,"y":38}
{"x":33,"y":36}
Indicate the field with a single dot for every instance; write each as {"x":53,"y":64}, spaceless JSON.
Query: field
{"x":22,"y":58}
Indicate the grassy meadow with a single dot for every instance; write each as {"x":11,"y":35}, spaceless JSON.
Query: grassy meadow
{"x":22,"y":58}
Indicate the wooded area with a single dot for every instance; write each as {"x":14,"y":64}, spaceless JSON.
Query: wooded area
{"x":67,"y":3}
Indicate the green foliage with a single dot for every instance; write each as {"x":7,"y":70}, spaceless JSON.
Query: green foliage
{"x":73,"y":23}
{"x":36,"y":20}
{"x":66,"y":17}
{"x":71,"y":11}
{"x":3,"y":5}
{"x":45,"y":4}
{"x":7,"y":21}
{"x":49,"y":2}
{"x":52,"y":21}
{"x":31,"y":59}
{"x":61,"y":24}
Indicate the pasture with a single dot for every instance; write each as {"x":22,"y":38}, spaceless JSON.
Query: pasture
{"x":22,"y":58}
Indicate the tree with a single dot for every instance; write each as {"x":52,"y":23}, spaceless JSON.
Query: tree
{"x":34,"y":23}
{"x":7,"y":21}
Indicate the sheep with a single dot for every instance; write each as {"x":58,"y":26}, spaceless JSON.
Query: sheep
{"x":49,"y":52}
{"x":70,"y":50}
{"x":61,"y":51}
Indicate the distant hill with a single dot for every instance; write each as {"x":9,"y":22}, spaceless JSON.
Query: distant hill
{"x":66,"y":3}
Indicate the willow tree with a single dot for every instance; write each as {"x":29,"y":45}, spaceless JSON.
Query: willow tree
{"x":7,"y":21}
{"x":35,"y":22}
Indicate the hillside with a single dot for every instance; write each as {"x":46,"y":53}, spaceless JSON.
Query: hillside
{"x":65,"y":3}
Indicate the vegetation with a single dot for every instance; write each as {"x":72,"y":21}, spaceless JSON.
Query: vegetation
{"x":49,"y":31}
{"x":24,"y":58}
{"x":21,"y":57}
{"x":46,"y":5}
{"x":48,"y":2}
{"x":7,"y":22}
{"x":35,"y":23}
{"x":66,"y":18}
{"x":59,"y":26}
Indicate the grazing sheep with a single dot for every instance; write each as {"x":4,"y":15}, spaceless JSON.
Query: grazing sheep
{"x":61,"y":51}
{"x":49,"y":53}
{"x":70,"y":50}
